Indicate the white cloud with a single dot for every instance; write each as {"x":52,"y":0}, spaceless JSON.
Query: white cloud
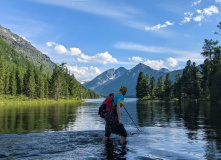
{"x":202,"y":14}
{"x":155,"y":64}
{"x":196,"y":2}
{"x":198,"y":18}
{"x":218,"y":1}
{"x":158,"y":26}
{"x":187,"y":18}
{"x":103,"y":58}
{"x":158,"y":64}
{"x":60,"y":49}
{"x":172,"y":62}
{"x":136,"y":59}
{"x":75,"y":51}
{"x":211,"y":10}
{"x":50,"y":44}
{"x":84,"y":73}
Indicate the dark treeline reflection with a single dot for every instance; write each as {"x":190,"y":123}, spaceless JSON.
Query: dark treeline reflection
{"x":201,"y":119}
{"x":41,"y":117}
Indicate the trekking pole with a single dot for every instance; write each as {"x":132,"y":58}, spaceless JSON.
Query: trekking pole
{"x":131,"y":119}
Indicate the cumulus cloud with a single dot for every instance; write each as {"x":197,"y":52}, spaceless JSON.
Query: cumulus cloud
{"x":84,"y":73}
{"x":187,"y":18}
{"x":155,"y":64}
{"x":158,"y":64}
{"x":136,"y":59}
{"x":103,"y":58}
{"x":60,"y":49}
{"x":211,"y":10}
{"x":75,"y":51}
{"x":172,"y":62}
{"x":201,"y":14}
{"x":158,"y":26}
{"x":198,"y":18}
{"x":196,"y":2}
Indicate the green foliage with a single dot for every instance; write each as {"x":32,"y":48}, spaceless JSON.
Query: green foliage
{"x":153,"y":87}
{"x":12,"y":83}
{"x":20,"y":77}
{"x":160,"y":88}
{"x":142,"y":86}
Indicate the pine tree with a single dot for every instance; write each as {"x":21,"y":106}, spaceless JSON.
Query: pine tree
{"x":177,"y":87}
{"x":41,"y":83}
{"x":160,"y":88}
{"x":141,"y":88}
{"x":153,"y":87}
{"x":56,"y":83}
{"x":12,"y":83}
{"x":19,"y":81}
{"x":6,"y":81}
{"x":2,"y":75}
{"x":29,"y":82}
{"x":168,"y":86}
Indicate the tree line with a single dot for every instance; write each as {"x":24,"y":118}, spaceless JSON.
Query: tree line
{"x":35,"y":83}
{"x":192,"y":84}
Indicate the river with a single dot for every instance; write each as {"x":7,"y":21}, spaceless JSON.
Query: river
{"x":167,"y":131}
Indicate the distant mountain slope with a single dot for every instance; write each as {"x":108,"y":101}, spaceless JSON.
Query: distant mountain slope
{"x":129,"y":79}
{"x":105,"y":77}
{"x":25,"y":48}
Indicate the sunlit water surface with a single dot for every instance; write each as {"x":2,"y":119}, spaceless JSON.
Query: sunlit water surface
{"x":168,"y":130}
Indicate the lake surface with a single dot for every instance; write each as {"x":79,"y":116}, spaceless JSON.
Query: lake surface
{"x":168,"y":131}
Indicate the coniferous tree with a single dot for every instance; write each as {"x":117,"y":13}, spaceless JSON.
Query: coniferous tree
{"x":153,"y":87}
{"x":160,"y":88}
{"x":41,"y":83}
{"x":29,"y":82}
{"x":56,"y":83}
{"x":2,"y":75}
{"x":177,"y":92}
{"x":6,"y":81}
{"x":19,"y":81}
{"x":208,"y":48}
{"x":168,"y":86}
{"x":12,"y":82}
{"x":141,"y":88}
{"x":196,"y":81}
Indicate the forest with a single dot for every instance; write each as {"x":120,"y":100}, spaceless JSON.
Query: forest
{"x":18,"y":76}
{"x":194,"y":84}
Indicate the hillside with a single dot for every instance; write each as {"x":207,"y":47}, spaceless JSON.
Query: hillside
{"x":25,"y":49}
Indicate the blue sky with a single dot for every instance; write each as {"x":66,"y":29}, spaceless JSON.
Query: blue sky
{"x":92,"y":36}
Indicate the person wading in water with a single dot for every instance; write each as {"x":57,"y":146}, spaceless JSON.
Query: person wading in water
{"x":113,"y":117}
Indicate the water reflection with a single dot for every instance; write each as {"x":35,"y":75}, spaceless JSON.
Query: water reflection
{"x":35,"y":118}
{"x":201,"y":119}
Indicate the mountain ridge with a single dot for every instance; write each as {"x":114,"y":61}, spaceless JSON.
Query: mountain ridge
{"x":26,"y":49}
{"x":129,"y":79}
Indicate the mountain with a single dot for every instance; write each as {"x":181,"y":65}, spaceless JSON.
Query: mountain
{"x":128,"y":79}
{"x":105,"y":77}
{"x":25,"y":48}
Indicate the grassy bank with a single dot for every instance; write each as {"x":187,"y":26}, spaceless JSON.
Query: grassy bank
{"x":21,"y":99}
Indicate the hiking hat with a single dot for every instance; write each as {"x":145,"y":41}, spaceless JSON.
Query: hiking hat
{"x":123,"y":89}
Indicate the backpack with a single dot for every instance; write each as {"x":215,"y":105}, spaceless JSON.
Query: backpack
{"x":106,"y":105}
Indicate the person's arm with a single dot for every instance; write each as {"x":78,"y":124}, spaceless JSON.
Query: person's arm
{"x":119,"y":112}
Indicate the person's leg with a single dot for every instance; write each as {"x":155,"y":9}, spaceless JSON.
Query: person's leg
{"x":107,"y":134}
{"x":123,"y":134}
{"x":105,"y":139}
{"x":122,"y":140}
